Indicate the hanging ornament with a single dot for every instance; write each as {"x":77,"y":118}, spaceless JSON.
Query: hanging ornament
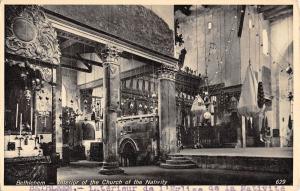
{"x":290,"y":122}
{"x":290,"y":96}
{"x":131,"y":105}
{"x":222,"y":98}
{"x":151,"y":108}
{"x":85,"y":102}
{"x":207,"y":115}
{"x":289,"y":70}
{"x":27,"y":94}
{"x":206,"y":100}
{"x":260,"y":95}
{"x":33,"y":84}
{"x":209,"y":25}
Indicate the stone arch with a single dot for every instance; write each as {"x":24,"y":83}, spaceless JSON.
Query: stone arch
{"x":130,"y":141}
{"x":128,"y":152}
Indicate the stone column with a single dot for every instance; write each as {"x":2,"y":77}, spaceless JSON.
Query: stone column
{"x":111,"y":88}
{"x":59,"y":132}
{"x":52,"y":175}
{"x":167,"y":111}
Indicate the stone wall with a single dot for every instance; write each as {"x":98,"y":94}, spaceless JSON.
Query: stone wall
{"x":281,"y":38}
{"x":218,"y":44}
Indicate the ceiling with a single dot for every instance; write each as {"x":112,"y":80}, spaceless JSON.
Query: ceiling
{"x":275,"y":12}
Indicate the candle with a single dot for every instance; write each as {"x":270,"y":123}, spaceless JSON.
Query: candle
{"x":45,"y":120}
{"x":20,"y":123}
{"x":17,"y":113}
{"x":35,"y":124}
{"x":31,"y":117}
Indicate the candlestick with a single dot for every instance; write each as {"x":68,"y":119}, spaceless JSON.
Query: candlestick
{"x":20,"y":124}
{"x":35,"y":124}
{"x":31,"y":117}
{"x":45,"y":120}
{"x":17,"y":113}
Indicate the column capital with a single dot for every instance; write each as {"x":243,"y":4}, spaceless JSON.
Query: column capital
{"x":109,"y":54}
{"x":167,"y":72}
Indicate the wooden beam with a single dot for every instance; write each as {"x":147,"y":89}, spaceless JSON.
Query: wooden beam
{"x":264,"y":8}
{"x":276,"y":11}
{"x":242,"y":21}
{"x":136,"y":72}
{"x":76,"y":68}
{"x":93,"y":84}
{"x":76,"y":39}
{"x":31,"y":60}
{"x":92,"y":62}
{"x":89,"y":66}
{"x":66,"y":44}
{"x":281,"y":16}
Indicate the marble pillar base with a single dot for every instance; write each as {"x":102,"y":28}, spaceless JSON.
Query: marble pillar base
{"x":111,"y":168}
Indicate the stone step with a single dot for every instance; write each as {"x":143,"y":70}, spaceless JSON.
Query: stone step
{"x":87,"y":164}
{"x":113,"y":171}
{"x":177,"y":161}
{"x":179,"y":158}
{"x":178,"y":166}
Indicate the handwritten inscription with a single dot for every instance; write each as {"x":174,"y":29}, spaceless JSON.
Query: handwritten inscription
{"x":155,"y":188}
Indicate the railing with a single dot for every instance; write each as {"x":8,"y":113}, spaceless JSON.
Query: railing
{"x":198,"y":137}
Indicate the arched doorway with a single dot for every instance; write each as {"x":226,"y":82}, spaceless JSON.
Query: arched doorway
{"x":128,"y":153}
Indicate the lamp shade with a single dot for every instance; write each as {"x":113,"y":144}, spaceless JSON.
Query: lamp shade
{"x":198,"y":106}
{"x":247,"y":105}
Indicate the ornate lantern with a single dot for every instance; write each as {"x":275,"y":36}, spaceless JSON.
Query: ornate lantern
{"x":233,"y":104}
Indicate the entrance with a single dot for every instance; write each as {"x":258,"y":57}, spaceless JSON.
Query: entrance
{"x":128,"y":155}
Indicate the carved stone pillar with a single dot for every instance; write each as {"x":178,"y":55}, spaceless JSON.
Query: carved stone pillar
{"x":167,"y":111}
{"x":111,"y":88}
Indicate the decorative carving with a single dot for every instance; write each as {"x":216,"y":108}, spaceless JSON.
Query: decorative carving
{"x":26,"y":169}
{"x":167,"y":72}
{"x":46,"y":73}
{"x":29,"y":33}
{"x":109,"y":54}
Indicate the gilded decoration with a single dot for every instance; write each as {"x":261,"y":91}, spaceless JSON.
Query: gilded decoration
{"x":29,"y":33}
